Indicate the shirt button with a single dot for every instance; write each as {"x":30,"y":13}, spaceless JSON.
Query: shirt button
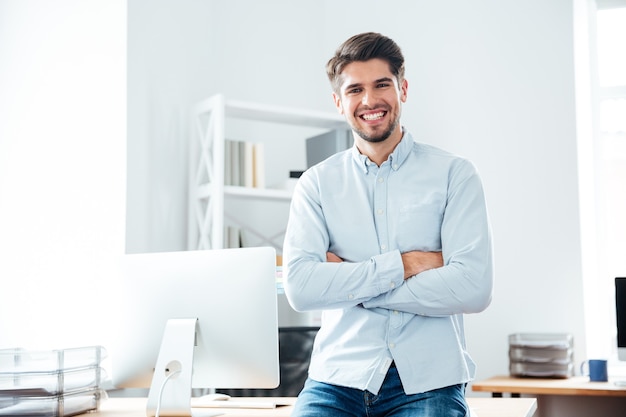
{"x":395,"y":166}
{"x":380,"y":211}
{"x":381,"y":180}
{"x":392,"y":345}
{"x":396,"y":312}
{"x":393,"y":285}
{"x":351,"y":296}
{"x":383,"y":247}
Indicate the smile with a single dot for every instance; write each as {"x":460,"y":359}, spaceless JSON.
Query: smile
{"x":374,"y":116}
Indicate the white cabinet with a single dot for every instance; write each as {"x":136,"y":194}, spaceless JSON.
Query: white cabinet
{"x":210,"y":198}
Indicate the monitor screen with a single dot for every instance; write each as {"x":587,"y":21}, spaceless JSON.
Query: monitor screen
{"x":620,"y":308}
{"x":230,"y":296}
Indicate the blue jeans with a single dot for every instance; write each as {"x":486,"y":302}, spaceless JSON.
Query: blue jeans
{"x":323,"y":400}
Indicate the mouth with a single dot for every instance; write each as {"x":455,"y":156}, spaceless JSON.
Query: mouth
{"x":373,"y":116}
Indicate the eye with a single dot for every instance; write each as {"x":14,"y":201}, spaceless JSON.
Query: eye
{"x":353,"y":91}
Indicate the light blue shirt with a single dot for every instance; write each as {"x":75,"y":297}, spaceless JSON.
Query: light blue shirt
{"x":421,"y":198}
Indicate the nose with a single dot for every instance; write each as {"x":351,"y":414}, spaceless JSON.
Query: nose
{"x":368,"y":98}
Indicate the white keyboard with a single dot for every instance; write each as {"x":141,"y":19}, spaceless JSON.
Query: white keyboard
{"x":207,"y":402}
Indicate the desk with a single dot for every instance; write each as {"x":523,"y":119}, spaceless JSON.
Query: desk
{"x":539,"y":386}
{"x":483,"y":407}
{"x":570,"y":397}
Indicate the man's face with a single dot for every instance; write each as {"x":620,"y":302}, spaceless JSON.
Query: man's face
{"x":371,"y":100}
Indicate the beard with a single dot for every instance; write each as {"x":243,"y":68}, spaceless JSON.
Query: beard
{"x":375,"y":136}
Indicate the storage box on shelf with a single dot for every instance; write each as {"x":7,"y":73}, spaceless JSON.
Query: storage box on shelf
{"x":545,"y":355}
{"x":50,"y":383}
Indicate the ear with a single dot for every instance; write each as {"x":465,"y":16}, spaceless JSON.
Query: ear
{"x":337,"y":101}
{"x":404,"y":86}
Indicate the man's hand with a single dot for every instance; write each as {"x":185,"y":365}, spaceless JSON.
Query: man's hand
{"x":331,"y":257}
{"x":415,"y":262}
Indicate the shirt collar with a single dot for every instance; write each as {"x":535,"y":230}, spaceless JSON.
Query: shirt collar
{"x":402,"y":151}
{"x":397,"y":157}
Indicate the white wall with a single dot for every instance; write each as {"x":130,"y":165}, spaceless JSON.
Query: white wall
{"x":170,"y":66}
{"x":62,"y":169}
{"x":492,"y":80}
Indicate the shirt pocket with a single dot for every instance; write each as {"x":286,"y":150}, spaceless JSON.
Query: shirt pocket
{"x":419,"y":228}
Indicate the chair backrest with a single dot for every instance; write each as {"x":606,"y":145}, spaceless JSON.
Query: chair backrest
{"x":295,"y":347}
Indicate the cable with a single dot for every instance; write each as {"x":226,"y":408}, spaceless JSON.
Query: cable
{"x":167,"y":378}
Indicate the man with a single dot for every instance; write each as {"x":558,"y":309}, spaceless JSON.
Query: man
{"x":391,"y":240}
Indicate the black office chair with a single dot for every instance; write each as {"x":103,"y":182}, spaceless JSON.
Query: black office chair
{"x":295,"y":346}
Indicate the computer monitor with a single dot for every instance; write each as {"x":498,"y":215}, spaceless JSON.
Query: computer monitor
{"x":216,"y":309}
{"x":620,"y":308}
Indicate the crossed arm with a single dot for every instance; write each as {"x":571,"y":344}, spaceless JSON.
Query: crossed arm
{"x":414,"y":262}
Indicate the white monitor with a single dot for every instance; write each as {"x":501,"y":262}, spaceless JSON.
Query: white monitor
{"x":228,"y":295}
{"x":620,"y":308}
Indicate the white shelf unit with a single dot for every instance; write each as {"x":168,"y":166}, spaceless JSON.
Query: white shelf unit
{"x":208,"y":193}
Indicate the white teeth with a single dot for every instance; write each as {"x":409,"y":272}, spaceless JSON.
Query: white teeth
{"x":373,"y":116}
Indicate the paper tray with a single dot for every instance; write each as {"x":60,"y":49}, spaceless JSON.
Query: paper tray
{"x":51,"y":406}
{"x":22,"y":360}
{"x":537,"y":355}
{"x":558,"y":341}
{"x":49,"y":383}
{"x":540,"y":370}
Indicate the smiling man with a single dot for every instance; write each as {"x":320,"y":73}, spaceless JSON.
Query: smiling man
{"x":391,"y":240}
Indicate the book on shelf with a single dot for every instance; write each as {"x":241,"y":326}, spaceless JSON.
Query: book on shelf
{"x":232,"y":237}
{"x":236,"y":237}
{"x":228,"y":176}
{"x":258,"y":166}
{"x":234,"y":162}
{"x":244,"y":164}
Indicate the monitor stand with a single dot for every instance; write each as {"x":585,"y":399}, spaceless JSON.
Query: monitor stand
{"x":170,"y":391}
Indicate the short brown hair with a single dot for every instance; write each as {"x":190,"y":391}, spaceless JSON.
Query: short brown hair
{"x":364,"y":47}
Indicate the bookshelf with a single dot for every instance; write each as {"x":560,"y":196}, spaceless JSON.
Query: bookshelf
{"x":208,"y":192}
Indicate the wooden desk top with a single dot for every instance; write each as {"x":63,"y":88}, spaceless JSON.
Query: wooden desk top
{"x":483,"y":407}
{"x":136,"y":407}
{"x":503,"y":407}
{"x":546,"y":386}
